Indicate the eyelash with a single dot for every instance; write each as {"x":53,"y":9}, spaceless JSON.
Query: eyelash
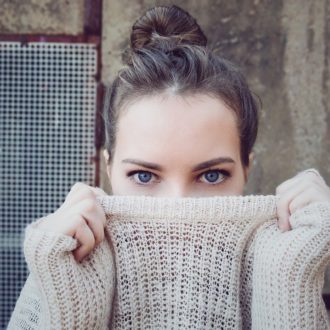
{"x":225,"y":173}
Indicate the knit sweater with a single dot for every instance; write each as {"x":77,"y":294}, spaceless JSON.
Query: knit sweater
{"x":181,"y":263}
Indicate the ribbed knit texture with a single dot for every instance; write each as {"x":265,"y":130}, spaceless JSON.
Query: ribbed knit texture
{"x":181,"y":263}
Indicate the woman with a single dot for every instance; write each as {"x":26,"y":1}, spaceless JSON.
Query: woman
{"x":180,"y":121}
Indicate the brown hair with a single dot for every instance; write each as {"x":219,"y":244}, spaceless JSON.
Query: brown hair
{"x":168,"y":51}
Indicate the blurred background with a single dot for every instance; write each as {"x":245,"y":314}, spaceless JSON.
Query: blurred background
{"x":56,"y":56}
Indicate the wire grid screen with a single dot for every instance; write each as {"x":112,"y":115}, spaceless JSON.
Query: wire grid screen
{"x":47,"y":117}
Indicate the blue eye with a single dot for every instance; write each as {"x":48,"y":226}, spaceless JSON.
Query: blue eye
{"x":211,"y":177}
{"x":144,"y":176}
{"x":140,"y":177}
{"x":215,"y":176}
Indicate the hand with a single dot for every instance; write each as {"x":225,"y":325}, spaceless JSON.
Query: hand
{"x":80,"y":216}
{"x":306,"y":187}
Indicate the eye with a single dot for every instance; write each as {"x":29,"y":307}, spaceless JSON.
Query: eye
{"x":140,"y":177}
{"x":215,"y":176}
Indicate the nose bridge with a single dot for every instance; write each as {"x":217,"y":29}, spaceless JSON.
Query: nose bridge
{"x":178,"y":189}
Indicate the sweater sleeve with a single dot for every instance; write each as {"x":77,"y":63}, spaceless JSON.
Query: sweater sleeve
{"x":28,"y":312}
{"x":288,"y":272}
{"x":60,"y":293}
{"x":246,"y":274}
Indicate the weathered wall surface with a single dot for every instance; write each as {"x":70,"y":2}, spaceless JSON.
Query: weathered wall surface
{"x":41,"y":16}
{"x":282,"y":46}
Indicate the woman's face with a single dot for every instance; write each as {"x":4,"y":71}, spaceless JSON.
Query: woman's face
{"x":174,"y":146}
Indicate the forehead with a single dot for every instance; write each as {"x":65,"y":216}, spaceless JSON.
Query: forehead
{"x":191,"y":125}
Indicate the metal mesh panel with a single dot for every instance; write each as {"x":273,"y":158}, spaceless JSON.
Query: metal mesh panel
{"x":47,"y":113}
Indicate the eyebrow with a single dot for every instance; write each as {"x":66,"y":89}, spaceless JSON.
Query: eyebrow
{"x":201,"y":166}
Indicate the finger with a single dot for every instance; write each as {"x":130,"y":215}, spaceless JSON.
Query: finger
{"x":314,"y":176}
{"x":312,"y":171}
{"x":283,"y":215}
{"x":288,"y":184}
{"x":96,"y":224}
{"x":308,"y":176}
{"x":87,"y":242}
{"x":98,"y":191}
{"x":86,"y":206}
{"x":81,"y":191}
{"x":284,"y":201}
{"x":77,"y":197}
{"x":95,"y":217}
{"x":77,"y":192}
{"x":93,"y":214}
{"x":300,"y":201}
{"x":310,"y":195}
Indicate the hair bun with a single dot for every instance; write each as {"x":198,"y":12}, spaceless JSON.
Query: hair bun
{"x":163,"y":27}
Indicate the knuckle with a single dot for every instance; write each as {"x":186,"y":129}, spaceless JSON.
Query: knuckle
{"x":82,"y":187}
{"x":89,"y":205}
{"x":90,"y":243}
{"x":292,"y":208}
{"x":80,"y":222}
{"x":88,"y":194}
{"x":99,"y":192}
{"x":100,"y":238}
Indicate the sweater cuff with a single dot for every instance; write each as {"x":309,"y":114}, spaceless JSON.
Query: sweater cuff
{"x":315,"y":214}
{"x":41,"y":245}
{"x":76,"y":295}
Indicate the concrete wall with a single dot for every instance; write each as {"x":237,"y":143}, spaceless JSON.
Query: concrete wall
{"x":282,"y":46}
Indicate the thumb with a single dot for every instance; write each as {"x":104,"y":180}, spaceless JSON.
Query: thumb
{"x":98,"y":191}
{"x":283,"y":215}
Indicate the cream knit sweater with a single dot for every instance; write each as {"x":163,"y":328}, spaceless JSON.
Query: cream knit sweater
{"x":185,"y":263}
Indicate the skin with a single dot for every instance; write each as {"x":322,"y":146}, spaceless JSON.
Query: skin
{"x":177,"y":134}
